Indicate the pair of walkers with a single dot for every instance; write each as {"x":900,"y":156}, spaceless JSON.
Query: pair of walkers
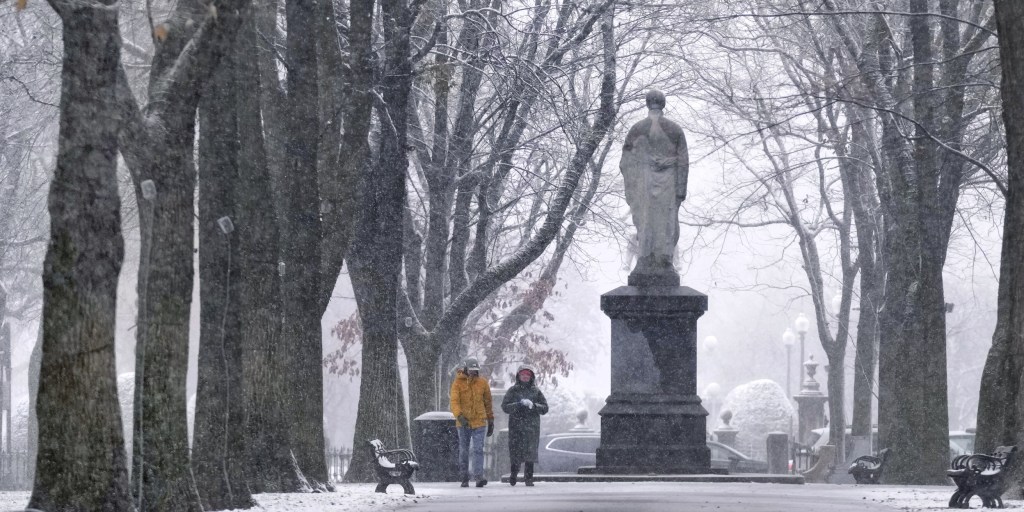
{"x":474,"y":417}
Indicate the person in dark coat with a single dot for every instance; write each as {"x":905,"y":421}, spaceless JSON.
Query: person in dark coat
{"x":524,"y":403}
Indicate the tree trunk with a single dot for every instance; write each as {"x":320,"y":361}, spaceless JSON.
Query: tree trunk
{"x":1000,"y":404}
{"x":218,"y":445}
{"x":867,"y":353}
{"x":337,"y":180}
{"x":81,"y":464}
{"x":301,"y":249}
{"x":836,"y":407}
{"x":862,"y":196}
{"x":158,"y":147}
{"x":423,"y":380}
{"x":162,"y":476}
{"x":375,"y":263}
{"x":912,"y":408}
{"x":34,"y":367}
{"x":270,"y":465}
{"x":273,"y":101}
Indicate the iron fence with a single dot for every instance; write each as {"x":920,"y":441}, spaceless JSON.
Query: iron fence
{"x":338,"y":460}
{"x":16,"y":471}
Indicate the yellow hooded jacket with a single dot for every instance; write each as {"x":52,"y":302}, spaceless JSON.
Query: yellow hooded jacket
{"x":471,"y":397}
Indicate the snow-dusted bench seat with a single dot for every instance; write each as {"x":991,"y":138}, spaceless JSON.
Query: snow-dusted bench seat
{"x":867,"y":469}
{"x":393,"y":467}
{"x":982,"y":475}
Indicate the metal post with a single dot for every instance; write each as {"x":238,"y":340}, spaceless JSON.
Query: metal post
{"x":789,"y":394}
{"x":802,"y":336}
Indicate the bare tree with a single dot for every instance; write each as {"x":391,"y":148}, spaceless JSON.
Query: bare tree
{"x":157,"y":145}
{"x":469,"y":172}
{"x":219,"y":447}
{"x":918,"y":189}
{"x":81,"y":463}
{"x":1000,"y":410}
{"x":375,"y":260}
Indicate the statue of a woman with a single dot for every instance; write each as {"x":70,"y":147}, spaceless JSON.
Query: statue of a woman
{"x":654,"y":168}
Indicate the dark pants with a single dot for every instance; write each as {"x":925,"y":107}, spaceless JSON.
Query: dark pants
{"x":527,"y":474}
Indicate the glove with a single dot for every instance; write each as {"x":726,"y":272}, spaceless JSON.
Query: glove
{"x":490,"y":427}
{"x":463,"y":422}
{"x":526,"y":402}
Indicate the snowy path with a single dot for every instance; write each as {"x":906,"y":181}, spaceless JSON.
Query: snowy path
{"x":594,"y":497}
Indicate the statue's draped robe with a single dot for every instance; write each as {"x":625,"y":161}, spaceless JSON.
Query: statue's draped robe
{"x":654,"y":167}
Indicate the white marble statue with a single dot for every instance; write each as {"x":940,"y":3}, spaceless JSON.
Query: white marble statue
{"x":654,"y":168}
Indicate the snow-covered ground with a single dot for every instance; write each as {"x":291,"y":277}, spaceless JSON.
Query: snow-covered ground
{"x":564,"y":497}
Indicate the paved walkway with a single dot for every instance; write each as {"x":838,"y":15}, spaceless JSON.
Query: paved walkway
{"x":603,"y":497}
{"x":671,"y":497}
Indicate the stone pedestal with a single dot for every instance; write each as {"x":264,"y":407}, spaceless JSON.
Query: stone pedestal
{"x":778,"y":453}
{"x":810,"y":404}
{"x":653,"y":421}
{"x":727,"y":435}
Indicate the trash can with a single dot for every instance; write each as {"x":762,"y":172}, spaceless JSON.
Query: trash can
{"x":436,"y":443}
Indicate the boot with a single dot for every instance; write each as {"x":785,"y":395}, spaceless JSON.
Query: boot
{"x":513,"y":474}
{"x":482,"y":482}
{"x":528,"y":474}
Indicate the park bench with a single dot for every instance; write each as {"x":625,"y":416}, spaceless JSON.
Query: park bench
{"x":867,"y":469}
{"x":393,"y":467}
{"x":983,"y":475}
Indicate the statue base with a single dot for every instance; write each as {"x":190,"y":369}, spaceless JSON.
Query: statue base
{"x":653,"y":433}
{"x":653,"y":278}
{"x":652,"y":271}
{"x":653,"y":421}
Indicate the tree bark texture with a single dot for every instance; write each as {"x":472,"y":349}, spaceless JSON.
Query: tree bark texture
{"x":337,"y":179}
{"x":375,"y":262}
{"x":162,"y":475}
{"x":1001,"y":400}
{"x":82,"y":464}
{"x":865,"y":212}
{"x":912,"y":406}
{"x":218,"y":443}
{"x":270,"y":465}
{"x":158,"y":146}
{"x":301,"y":249}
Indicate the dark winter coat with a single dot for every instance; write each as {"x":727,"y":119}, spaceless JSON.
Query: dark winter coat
{"x":523,"y":422}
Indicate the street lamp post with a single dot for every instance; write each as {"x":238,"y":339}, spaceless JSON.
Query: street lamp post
{"x":711,"y":392}
{"x":788,"y":338}
{"x":802,"y":325}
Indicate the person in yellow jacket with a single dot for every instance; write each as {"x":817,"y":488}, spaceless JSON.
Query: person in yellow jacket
{"x":474,"y":418}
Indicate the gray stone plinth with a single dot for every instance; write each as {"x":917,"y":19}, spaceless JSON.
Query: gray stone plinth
{"x":778,"y":453}
{"x":727,"y":436}
{"x":661,"y":277}
{"x":810,"y":415}
{"x":653,"y":422}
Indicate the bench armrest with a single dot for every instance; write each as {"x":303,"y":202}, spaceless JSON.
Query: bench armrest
{"x":980,"y":462}
{"x":399,"y":455}
{"x":867,"y":459}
